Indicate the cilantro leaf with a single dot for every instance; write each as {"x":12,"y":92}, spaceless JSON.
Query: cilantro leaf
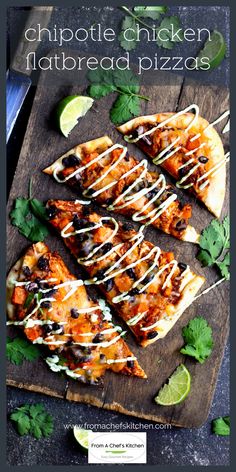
{"x":33,"y":419}
{"x":102,"y":83}
{"x":126,"y":81}
{"x":123,"y":82}
{"x":19,"y":349}
{"x":150,"y":12}
{"x":25,"y":216}
{"x":224,"y":266}
{"x":221,"y":426}
{"x":169,"y":32}
{"x":128,"y":35}
{"x":198,"y":338}
{"x":124,"y":108}
{"x":214,"y":242}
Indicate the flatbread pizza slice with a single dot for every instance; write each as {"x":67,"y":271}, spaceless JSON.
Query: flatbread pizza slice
{"x":53,"y":308}
{"x":147,"y":286}
{"x":108,"y":174}
{"x":187,"y":147}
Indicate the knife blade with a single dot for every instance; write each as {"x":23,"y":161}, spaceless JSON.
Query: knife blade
{"x":18,"y":78}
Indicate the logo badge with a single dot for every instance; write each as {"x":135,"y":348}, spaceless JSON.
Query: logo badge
{"x":117,"y":448}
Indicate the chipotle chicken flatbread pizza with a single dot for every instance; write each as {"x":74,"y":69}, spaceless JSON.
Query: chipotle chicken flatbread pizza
{"x":107,"y":173}
{"x":53,"y":309}
{"x":147,"y":286}
{"x":186,"y":146}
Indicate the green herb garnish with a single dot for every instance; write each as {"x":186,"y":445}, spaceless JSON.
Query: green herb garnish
{"x":33,"y":419}
{"x":221,"y":426}
{"x":214,"y":244}
{"x":19,"y":349}
{"x":198,"y":338}
{"x":28,"y":300}
{"x":123,"y":82}
{"x":28,"y":216}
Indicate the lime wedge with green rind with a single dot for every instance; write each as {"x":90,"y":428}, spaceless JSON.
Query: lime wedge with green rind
{"x":214,"y":50}
{"x":69,"y":110}
{"x":176,"y":389}
{"x":82,"y":437}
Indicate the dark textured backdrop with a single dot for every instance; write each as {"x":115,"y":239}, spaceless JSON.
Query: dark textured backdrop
{"x":176,"y":446}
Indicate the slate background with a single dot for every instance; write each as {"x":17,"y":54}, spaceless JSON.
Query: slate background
{"x":175,"y":446}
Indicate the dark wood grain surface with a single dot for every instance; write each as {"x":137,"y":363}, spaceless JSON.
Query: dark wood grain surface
{"x":43,"y":144}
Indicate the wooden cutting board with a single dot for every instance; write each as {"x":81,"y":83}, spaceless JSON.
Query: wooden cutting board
{"x":43,"y":144}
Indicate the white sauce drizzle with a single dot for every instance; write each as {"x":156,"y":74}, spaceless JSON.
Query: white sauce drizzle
{"x":133,"y":321}
{"x":125,"y":359}
{"x":110,"y":273}
{"x":129,"y":200}
{"x":164,"y":155}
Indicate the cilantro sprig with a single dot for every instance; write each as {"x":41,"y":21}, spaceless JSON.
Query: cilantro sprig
{"x":123,"y":82}
{"x":198,"y":338}
{"x":169,"y":25}
{"x":33,"y":419}
{"x":214,"y":246}
{"x":19,"y":349}
{"x":221,"y":426}
{"x":28,"y":215}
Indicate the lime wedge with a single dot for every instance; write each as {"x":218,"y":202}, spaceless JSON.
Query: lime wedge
{"x":69,"y":110}
{"x":81,"y":435}
{"x":215,"y":50}
{"x":177,"y":388}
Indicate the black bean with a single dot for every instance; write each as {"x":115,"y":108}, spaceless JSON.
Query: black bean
{"x":56,"y":326}
{"x":46,"y":304}
{"x":33,"y":287}
{"x":152,"y":334}
{"x":106,"y":248}
{"x":86,"y":210}
{"x":83,"y":359}
{"x":43,"y":263}
{"x":51,"y":212}
{"x":130,"y":364}
{"x":74,"y":313}
{"x":70,"y":161}
{"x":80,"y":237}
{"x":26,"y":271}
{"x":108,"y":202}
{"x":131,"y":273}
{"x":98,"y":338}
{"x":148,"y":278}
{"x":90,"y":192}
{"x":51,"y":292}
{"x":182,"y":171}
{"x":47,"y":328}
{"x":181,"y":225}
{"x":134,"y":291}
{"x":100,"y":274}
{"x":108,"y":285}
{"x":127,"y":227}
{"x":69,"y":343}
{"x":203,"y":159}
{"x":78,"y":222}
{"x":103,"y":359}
{"x":182,"y":266}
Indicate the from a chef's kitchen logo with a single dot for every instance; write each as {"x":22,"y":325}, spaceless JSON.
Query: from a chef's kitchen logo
{"x":117,"y":448}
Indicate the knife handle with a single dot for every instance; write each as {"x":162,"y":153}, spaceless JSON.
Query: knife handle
{"x":37,"y":15}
